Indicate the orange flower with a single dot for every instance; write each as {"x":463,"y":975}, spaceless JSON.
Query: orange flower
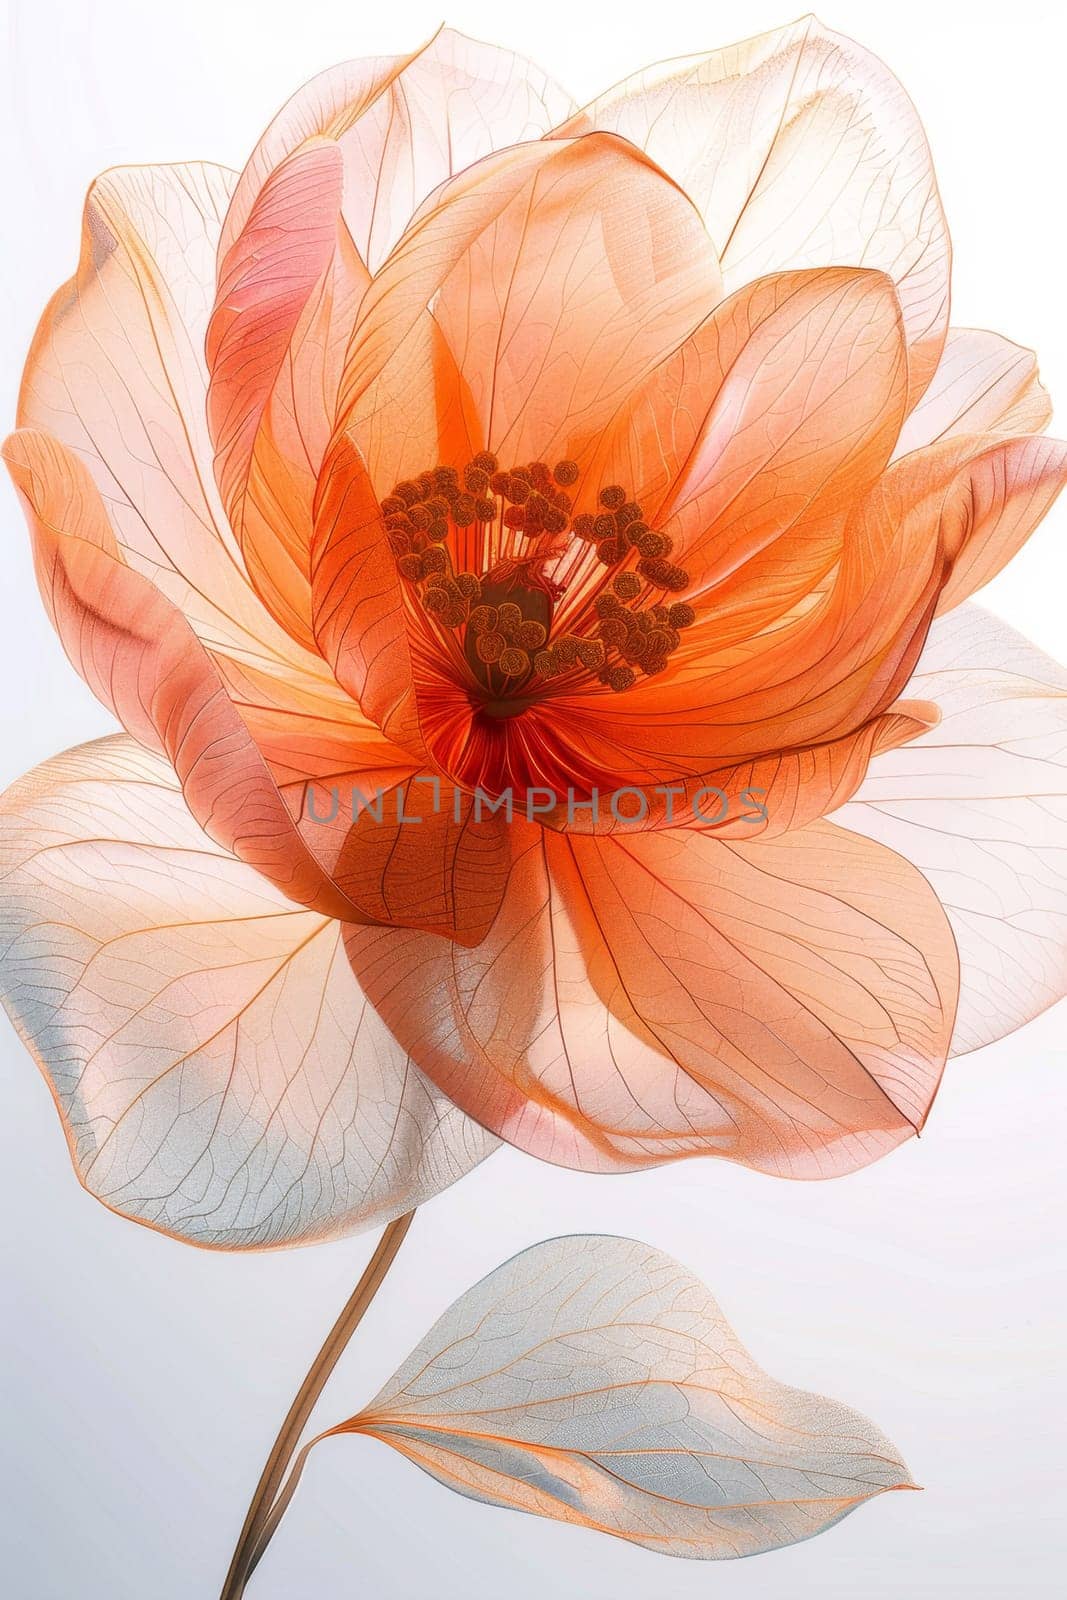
{"x":470,"y":453}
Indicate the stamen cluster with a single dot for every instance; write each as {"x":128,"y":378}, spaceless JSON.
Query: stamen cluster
{"x":508,"y":524}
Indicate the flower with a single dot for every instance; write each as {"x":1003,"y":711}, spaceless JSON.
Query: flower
{"x":469,"y":447}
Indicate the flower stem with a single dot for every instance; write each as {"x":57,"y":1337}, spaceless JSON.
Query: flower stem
{"x":251,"y":1544}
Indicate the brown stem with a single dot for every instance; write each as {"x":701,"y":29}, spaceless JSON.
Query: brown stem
{"x":251,"y":1544}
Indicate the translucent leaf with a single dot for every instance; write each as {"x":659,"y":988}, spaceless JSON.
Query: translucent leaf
{"x":594,"y":1381}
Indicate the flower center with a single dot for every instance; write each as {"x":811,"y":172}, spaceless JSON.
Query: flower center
{"x":526,"y":599}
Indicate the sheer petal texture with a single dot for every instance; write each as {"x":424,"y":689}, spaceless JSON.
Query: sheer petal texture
{"x":219,"y":1073}
{"x":594,"y":1381}
{"x":466,"y":460}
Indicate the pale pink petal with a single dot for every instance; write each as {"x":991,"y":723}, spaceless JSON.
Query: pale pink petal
{"x":786,"y":1003}
{"x":288,"y":290}
{"x":404,"y":124}
{"x":117,"y":374}
{"x":594,"y":1381}
{"x":801,"y":150}
{"x":979,"y":805}
{"x":981,"y":498}
{"x":983,"y":384}
{"x":219,"y":1073}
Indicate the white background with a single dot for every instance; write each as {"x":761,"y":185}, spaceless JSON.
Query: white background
{"x":146,"y":1379}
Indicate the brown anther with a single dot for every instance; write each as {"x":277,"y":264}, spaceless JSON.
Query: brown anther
{"x":410,"y":567}
{"x":445,"y":478}
{"x":560,"y":499}
{"x":608,"y":552}
{"x":658,"y":642}
{"x":555,"y":519}
{"x":540,"y":476}
{"x":531,"y":633}
{"x":565,"y":649}
{"x":464,"y":510}
{"x":490,"y":646}
{"x":635,"y":532}
{"x":399,"y":543}
{"x":483,"y":619}
{"x":485,"y":508}
{"x":630,"y":512}
{"x":565,"y":473}
{"x":612,"y":630}
{"x":437,"y":601}
{"x":438,"y":505}
{"x":627,"y":585}
{"x":509,"y":618}
{"x":519,"y":489}
{"x":407,"y":491}
{"x":485,"y":461}
{"x":425,"y":481}
{"x":456,"y":615}
{"x":591,"y":653}
{"x":653,"y":665}
{"x":676,"y":579}
{"x":434,"y":560}
{"x":545,"y":663}
{"x":620,"y":678}
{"x":469,"y":585}
{"x":498,"y":483}
{"x":681,"y":615}
{"x":475,"y":481}
{"x":605,"y":526}
{"x":607,"y":605}
{"x":613,"y":496}
{"x":582,"y":527}
{"x":513,"y":661}
{"x":398,"y":521}
{"x":391,"y":505}
{"x":523,"y":474}
{"x":438,"y":530}
{"x":515,"y":517}
{"x":421,"y":517}
{"x":654,"y":544}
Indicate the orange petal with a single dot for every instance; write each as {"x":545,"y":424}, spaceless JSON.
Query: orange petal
{"x":358,"y":609}
{"x":979,"y":804}
{"x":983,"y":384}
{"x":799,"y":425}
{"x":560,"y":273}
{"x":141,"y":659}
{"x":219,"y":1073}
{"x":786,"y":1003}
{"x":827,"y":668}
{"x":801,"y":150}
{"x":404,"y":124}
{"x":753,"y":799}
{"x":288,"y":289}
{"x":594,"y":1381}
{"x":423,"y":854}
